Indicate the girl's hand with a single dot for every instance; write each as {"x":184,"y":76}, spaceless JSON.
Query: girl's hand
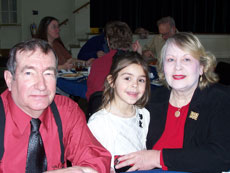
{"x":141,"y":160}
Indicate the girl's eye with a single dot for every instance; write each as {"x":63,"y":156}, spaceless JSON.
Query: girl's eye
{"x":127,"y":78}
{"x":142,"y":80}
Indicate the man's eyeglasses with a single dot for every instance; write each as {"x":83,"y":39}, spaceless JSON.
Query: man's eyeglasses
{"x":167,"y":34}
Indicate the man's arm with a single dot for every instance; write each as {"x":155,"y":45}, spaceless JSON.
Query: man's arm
{"x":149,"y":50}
{"x":81,"y":147}
{"x":91,"y":47}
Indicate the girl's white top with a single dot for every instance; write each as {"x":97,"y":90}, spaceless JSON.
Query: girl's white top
{"x":120,"y":135}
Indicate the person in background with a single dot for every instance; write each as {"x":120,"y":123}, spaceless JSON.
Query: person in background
{"x":121,"y":124}
{"x":119,"y":37}
{"x":30,"y":97}
{"x":48,"y":30}
{"x":94,"y":48}
{"x":189,"y":118}
{"x":166,"y":28}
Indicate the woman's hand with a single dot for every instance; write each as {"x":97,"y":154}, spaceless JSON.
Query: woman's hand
{"x":148,"y":54}
{"x":100,"y":53}
{"x":137,"y":47}
{"x":89,"y":62}
{"x":141,"y":160}
{"x":68,"y":65}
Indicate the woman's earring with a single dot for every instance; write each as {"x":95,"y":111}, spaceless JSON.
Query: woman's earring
{"x":201,"y":78}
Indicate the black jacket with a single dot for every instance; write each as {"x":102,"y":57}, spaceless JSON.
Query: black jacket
{"x":206,"y":146}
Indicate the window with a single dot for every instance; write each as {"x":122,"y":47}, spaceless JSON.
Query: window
{"x":8,"y":12}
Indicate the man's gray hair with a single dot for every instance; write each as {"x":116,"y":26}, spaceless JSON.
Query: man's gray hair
{"x":30,"y":45}
{"x":168,"y":20}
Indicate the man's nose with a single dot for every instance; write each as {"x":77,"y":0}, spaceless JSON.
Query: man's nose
{"x":41,"y":82}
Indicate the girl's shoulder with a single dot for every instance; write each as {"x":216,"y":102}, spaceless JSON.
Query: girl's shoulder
{"x":99,"y":121}
{"x":98,"y":116}
{"x":145,"y":113}
{"x":143,"y":109}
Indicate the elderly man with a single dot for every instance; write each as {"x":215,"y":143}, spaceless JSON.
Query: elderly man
{"x":42,"y":131}
{"x":167,"y":28}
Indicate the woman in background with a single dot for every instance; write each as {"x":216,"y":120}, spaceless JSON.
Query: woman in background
{"x":190,"y":117}
{"x":49,"y":30}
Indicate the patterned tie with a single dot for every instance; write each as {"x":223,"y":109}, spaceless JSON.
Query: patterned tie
{"x":36,"y":157}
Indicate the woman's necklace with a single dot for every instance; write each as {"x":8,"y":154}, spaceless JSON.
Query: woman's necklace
{"x":177,"y":113}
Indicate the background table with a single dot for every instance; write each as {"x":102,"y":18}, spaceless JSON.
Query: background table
{"x":76,"y":87}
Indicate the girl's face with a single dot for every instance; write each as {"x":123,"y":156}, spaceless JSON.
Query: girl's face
{"x":53,"y":31}
{"x":181,"y":69}
{"x":130,"y":84}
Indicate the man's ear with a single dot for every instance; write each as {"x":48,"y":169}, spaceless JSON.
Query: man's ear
{"x":8,"y":78}
{"x":110,"y":81}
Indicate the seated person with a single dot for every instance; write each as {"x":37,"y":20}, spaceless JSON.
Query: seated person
{"x":167,"y":28}
{"x":48,"y":30}
{"x":94,"y":48}
{"x":189,"y":118}
{"x":29,"y":103}
{"x":119,"y":37}
{"x":121,"y":124}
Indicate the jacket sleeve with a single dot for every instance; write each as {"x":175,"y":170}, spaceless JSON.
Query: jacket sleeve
{"x":91,"y":47}
{"x":208,"y":146}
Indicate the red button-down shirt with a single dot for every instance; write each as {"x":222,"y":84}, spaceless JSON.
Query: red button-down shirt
{"x":81,"y":148}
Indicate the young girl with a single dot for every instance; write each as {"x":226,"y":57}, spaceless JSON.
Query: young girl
{"x":121,"y":124}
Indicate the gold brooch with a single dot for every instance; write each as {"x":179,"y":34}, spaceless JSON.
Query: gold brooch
{"x":193,"y":115}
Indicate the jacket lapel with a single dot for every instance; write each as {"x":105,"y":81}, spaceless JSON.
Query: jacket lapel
{"x":193,"y":116}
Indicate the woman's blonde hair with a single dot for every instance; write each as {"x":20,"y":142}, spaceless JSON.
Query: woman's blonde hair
{"x":120,"y":61}
{"x":189,"y":43}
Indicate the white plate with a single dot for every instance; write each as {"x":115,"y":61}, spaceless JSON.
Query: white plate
{"x":70,"y":76}
{"x":65,"y":71}
{"x":84,"y":73}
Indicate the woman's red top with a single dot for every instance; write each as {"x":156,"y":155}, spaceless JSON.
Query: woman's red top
{"x":173,"y":135}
